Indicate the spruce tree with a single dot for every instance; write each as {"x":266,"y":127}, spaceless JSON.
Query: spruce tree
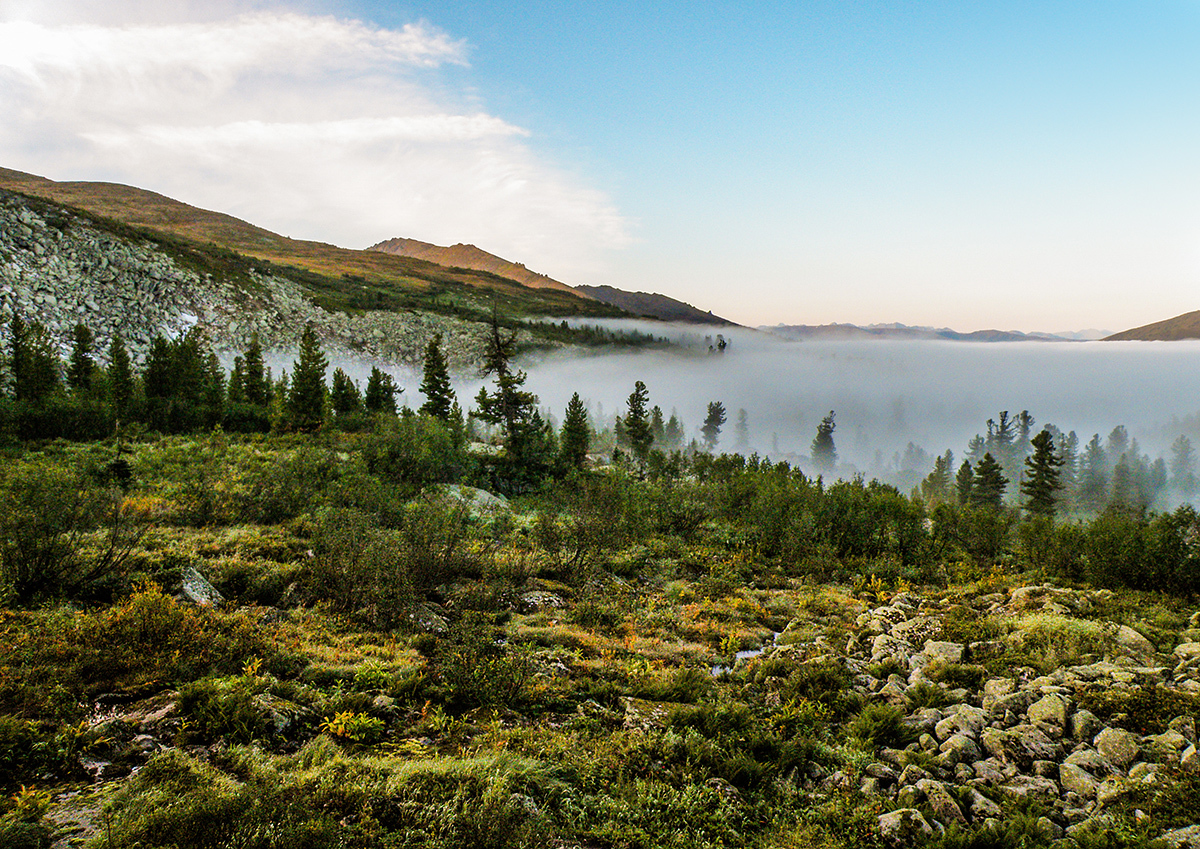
{"x":81,"y":367}
{"x":673,"y":432}
{"x":935,"y":489}
{"x":1041,"y":484}
{"x":381,"y":393}
{"x":344,"y":397}
{"x":576,"y":434}
{"x":119,"y":377}
{"x":306,"y":396}
{"x":824,"y":453}
{"x":34,"y":362}
{"x":255,"y":383}
{"x":637,"y":423}
{"x":509,"y":406}
{"x":236,"y":389}
{"x":964,"y":483}
{"x":711,"y":429}
{"x":439,"y":396}
{"x":741,"y":431}
{"x":658,"y":429}
{"x":990,"y":483}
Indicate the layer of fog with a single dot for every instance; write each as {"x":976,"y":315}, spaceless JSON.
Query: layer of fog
{"x":936,"y":395}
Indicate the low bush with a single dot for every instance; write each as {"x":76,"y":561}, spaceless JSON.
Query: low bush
{"x":881,"y":725}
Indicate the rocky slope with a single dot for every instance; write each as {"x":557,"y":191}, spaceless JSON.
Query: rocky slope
{"x":61,"y":268}
{"x":1023,"y":734}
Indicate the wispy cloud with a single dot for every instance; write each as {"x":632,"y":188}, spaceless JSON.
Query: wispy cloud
{"x":313,"y":125}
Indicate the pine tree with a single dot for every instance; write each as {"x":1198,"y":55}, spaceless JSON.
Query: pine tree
{"x":935,"y":489}
{"x":1183,"y":465}
{"x":1093,"y":476}
{"x":34,"y":362}
{"x":256,"y":385}
{"x":439,"y":396}
{"x":509,"y":406}
{"x":344,"y":397}
{"x":673,"y":432}
{"x":1041,"y":484}
{"x":637,"y":423}
{"x":119,"y":377}
{"x":741,"y":431}
{"x":381,"y":393}
{"x":81,"y":367}
{"x":964,"y":483}
{"x":657,"y":429}
{"x":990,"y":483}
{"x":824,"y":453}
{"x":711,"y":429}
{"x":213,"y":392}
{"x":576,"y":434}
{"x":306,"y":397}
{"x":236,"y":389}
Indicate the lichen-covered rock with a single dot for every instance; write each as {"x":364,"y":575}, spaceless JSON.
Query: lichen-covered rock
{"x":1117,"y":746}
{"x":1077,"y":780}
{"x":1050,"y":709}
{"x":904,"y":827}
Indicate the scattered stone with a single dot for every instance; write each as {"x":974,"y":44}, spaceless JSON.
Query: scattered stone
{"x":1118,"y":746}
{"x":905,"y":827}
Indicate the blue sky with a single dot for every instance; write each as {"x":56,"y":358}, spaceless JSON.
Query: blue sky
{"x":1013,"y":165}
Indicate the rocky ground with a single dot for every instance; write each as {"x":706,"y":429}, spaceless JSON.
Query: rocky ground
{"x":60,"y":269}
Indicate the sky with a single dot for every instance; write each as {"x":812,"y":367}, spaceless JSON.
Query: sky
{"x":1011,"y":165}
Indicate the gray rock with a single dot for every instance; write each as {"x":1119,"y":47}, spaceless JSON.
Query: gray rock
{"x":1117,"y":746}
{"x":1134,"y":643}
{"x":1076,"y":780}
{"x":1050,"y":710}
{"x":905,"y":827}
{"x":947,"y":652}
{"x":1189,"y":761}
{"x":1030,"y":786}
{"x":199,"y":591}
{"x":941,"y":802}
{"x":981,"y":806}
{"x":1183,"y":838}
{"x":1084,"y":725}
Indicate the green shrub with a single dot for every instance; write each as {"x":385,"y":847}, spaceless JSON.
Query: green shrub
{"x":1144,"y":710}
{"x":827,"y":683}
{"x":881,"y":725}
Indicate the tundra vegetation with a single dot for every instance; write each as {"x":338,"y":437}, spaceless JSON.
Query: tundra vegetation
{"x":246,"y":610}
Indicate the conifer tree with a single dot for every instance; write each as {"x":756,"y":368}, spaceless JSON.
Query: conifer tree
{"x":935,"y":489}
{"x":213,"y":391}
{"x":81,"y":367}
{"x":439,"y":396}
{"x":990,"y":482}
{"x":381,"y":392}
{"x":637,"y":423}
{"x":236,"y":389}
{"x":33,"y":361}
{"x":344,"y":397}
{"x":964,"y":483}
{"x":658,"y":429}
{"x":824,"y":453}
{"x":1041,"y":484}
{"x":119,"y":377}
{"x":1183,"y":465}
{"x":711,"y":429}
{"x":255,"y":383}
{"x":306,"y":396}
{"x":1093,"y":476}
{"x":741,"y":431}
{"x":509,"y":406}
{"x":576,"y":434}
{"x":673,"y":432}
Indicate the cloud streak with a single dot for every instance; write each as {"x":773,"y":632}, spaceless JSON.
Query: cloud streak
{"x":315,"y":126}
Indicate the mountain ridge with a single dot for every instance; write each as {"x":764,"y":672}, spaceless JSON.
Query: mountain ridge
{"x":1175,"y":329}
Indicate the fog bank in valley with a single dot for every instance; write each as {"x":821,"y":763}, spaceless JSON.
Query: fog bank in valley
{"x":886,"y":394}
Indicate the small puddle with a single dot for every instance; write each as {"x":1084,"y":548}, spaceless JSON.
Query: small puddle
{"x":746,"y":655}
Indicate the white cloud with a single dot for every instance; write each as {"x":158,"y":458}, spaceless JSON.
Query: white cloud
{"x":312,"y":125}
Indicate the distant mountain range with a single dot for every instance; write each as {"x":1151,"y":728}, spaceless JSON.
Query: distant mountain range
{"x":843,"y":332}
{"x":653,"y":305}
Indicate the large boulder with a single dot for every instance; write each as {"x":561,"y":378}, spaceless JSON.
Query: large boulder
{"x":1118,"y":746}
{"x":905,"y":827}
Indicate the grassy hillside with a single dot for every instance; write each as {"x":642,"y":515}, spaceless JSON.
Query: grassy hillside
{"x":469,"y":256}
{"x":1186,"y":326}
{"x":338,"y":278}
{"x":653,"y":305}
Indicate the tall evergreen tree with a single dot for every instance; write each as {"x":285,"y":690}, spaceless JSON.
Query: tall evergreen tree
{"x":81,"y":367}
{"x":306,"y":396}
{"x":990,"y":483}
{"x":381,"y":392}
{"x":510,"y":406}
{"x":213,"y":389}
{"x":344,"y":397}
{"x":236,"y":389}
{"x":576,"y":434}
{"x":658,"y":429}
{"x":439,"y":396}
{"x":1093,"y":476}
{"x":637,"y":423}
{"x":255,"y":382}
{"x":1183,"y":465}
{"x":33,"y":361}
{"x":119,"y":377}
{"x":673,"y":432}
{"x":741,"y":431}
{"x":824,"y":453}
{"x":1041,"y":484}
{"x":711,"y":429}
{"x":935,"y":489}
{"x":964,"y":483}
